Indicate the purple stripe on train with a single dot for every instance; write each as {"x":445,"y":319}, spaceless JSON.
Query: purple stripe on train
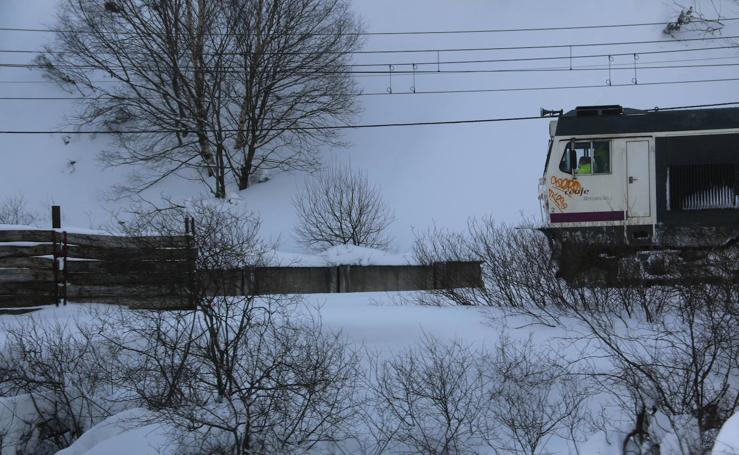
{"x":581,"y":217}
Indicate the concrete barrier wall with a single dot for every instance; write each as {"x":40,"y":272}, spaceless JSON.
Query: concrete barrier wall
{"x":385,"y":278}
{"x":294,"y":280}
{"x":320,"y":280}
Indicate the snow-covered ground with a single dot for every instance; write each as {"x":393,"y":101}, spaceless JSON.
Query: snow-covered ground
{"x":380,"y":323}
{"x":384,"y":324}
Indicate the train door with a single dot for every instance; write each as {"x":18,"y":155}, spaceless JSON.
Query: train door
{"x":638,"y":173}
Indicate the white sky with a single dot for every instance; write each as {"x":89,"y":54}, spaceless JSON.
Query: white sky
{"x":441,"y":174}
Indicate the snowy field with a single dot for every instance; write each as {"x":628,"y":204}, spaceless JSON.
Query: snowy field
{"x":383,"y":325}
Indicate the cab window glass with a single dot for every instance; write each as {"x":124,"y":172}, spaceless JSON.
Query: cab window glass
{"x":565,"y":165}
{"x":601,"y":157}
{"x":586,"y":158}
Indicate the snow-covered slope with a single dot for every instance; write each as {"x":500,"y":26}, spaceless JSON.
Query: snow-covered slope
{"x":439,"y":174}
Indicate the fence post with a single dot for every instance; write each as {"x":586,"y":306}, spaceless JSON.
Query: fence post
{"x":64,"y":270}
{"x":191,"y":256}
{"x":56,"y":217}
{"x":55,"y":264}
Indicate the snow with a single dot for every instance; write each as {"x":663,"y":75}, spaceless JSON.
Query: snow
{"x":727,"y":441}
{"x":14,"y":411}
{"x":121,"y":434}
{"x":340,"y":255}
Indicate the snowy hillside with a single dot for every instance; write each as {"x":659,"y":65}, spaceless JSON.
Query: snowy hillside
{"x":442,"y":174}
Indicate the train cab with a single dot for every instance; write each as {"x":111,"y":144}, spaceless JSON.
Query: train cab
{"x":619,"y":180}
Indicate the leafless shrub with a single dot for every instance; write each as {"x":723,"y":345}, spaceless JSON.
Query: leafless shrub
{"x":682,"y":365}
{"x":534,"y":396}
{"x":237,"y":374}
{"x":58,"y":378}
{"x":14,"y":210}
{"x":341,"y":207}
{"x":429,"y":400}
{"x":446,"y":398}
{"x":519,"y":274}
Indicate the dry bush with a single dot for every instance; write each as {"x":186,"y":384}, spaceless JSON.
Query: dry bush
{"x":341,"y":207}
{"x":13,"y":210}
{"x":59,"y":382}
{"x":237,"y":374}
{"x":447,"y":398}
{"x":241,"y":376}
{"x":683,"y":365}
{"x":519,"y":274}
{"x":672,"y":348}
{"x":429,"y":400}
{"x":534,"y":397}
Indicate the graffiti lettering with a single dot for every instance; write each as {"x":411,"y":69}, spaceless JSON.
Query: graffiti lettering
{"x":569,"y":186}
{"x":558,"y":199}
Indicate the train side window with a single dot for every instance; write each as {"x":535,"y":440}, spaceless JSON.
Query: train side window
{"x":566,"y":165}
{"x":601,"y":157}
{"x":584,"y":158}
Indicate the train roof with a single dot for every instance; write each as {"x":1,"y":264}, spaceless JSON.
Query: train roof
{"x":617,"y":120}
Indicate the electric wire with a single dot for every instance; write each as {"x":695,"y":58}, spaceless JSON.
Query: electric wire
{"x":362,"y":126}
{"x":426,"y":63}
{"x":446,"y":50}
{"x":423,"y":92}
{"x":431,"y":32}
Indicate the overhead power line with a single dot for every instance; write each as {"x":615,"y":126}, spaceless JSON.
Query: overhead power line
{"x":439,"y":63}
{"x":450,"y":50}
{"x":451,"y":91}
{"x":436,"y":64}
{"x":561,"y":69}
{"x":427,"y":32}
{"x":429,"y":92}
{"x":364,"y":126}
{"x":641,"y":64}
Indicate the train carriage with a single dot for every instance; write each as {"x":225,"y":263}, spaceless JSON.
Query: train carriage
{"x":627,"y":183}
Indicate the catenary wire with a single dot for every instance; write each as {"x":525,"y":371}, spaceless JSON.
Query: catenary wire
{"x":433,"y":32}
{"x":362,"y":126}
{"x":453,"y":50}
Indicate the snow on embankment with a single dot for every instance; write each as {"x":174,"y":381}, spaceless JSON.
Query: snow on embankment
{"x":341,"y":255}
{"x":727,"y":441}
{"x":128,"y":432}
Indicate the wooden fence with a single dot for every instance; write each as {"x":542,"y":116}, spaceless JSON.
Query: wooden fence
{"x":39,"y":267}
{"x":48,"y":267}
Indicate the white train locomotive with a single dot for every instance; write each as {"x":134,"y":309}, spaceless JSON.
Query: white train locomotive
{"x":626,"y":183}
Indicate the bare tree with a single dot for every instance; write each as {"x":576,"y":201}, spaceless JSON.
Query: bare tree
{"x":429,"y":400}
{"x":341,"y":207}
{"x":533,"y":397}
{"x":14,"y":210}
{"x":237,"y":374}
{"x":692,"y":18}
{"x":683,"y":365}
{"x":222,"y":88}
{"x":59,"y":374}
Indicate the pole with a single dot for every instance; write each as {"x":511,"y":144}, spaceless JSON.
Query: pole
{"x":56,"y":217}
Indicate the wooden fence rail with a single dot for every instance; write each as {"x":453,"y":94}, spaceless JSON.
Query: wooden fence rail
{"x":47,"y":267}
